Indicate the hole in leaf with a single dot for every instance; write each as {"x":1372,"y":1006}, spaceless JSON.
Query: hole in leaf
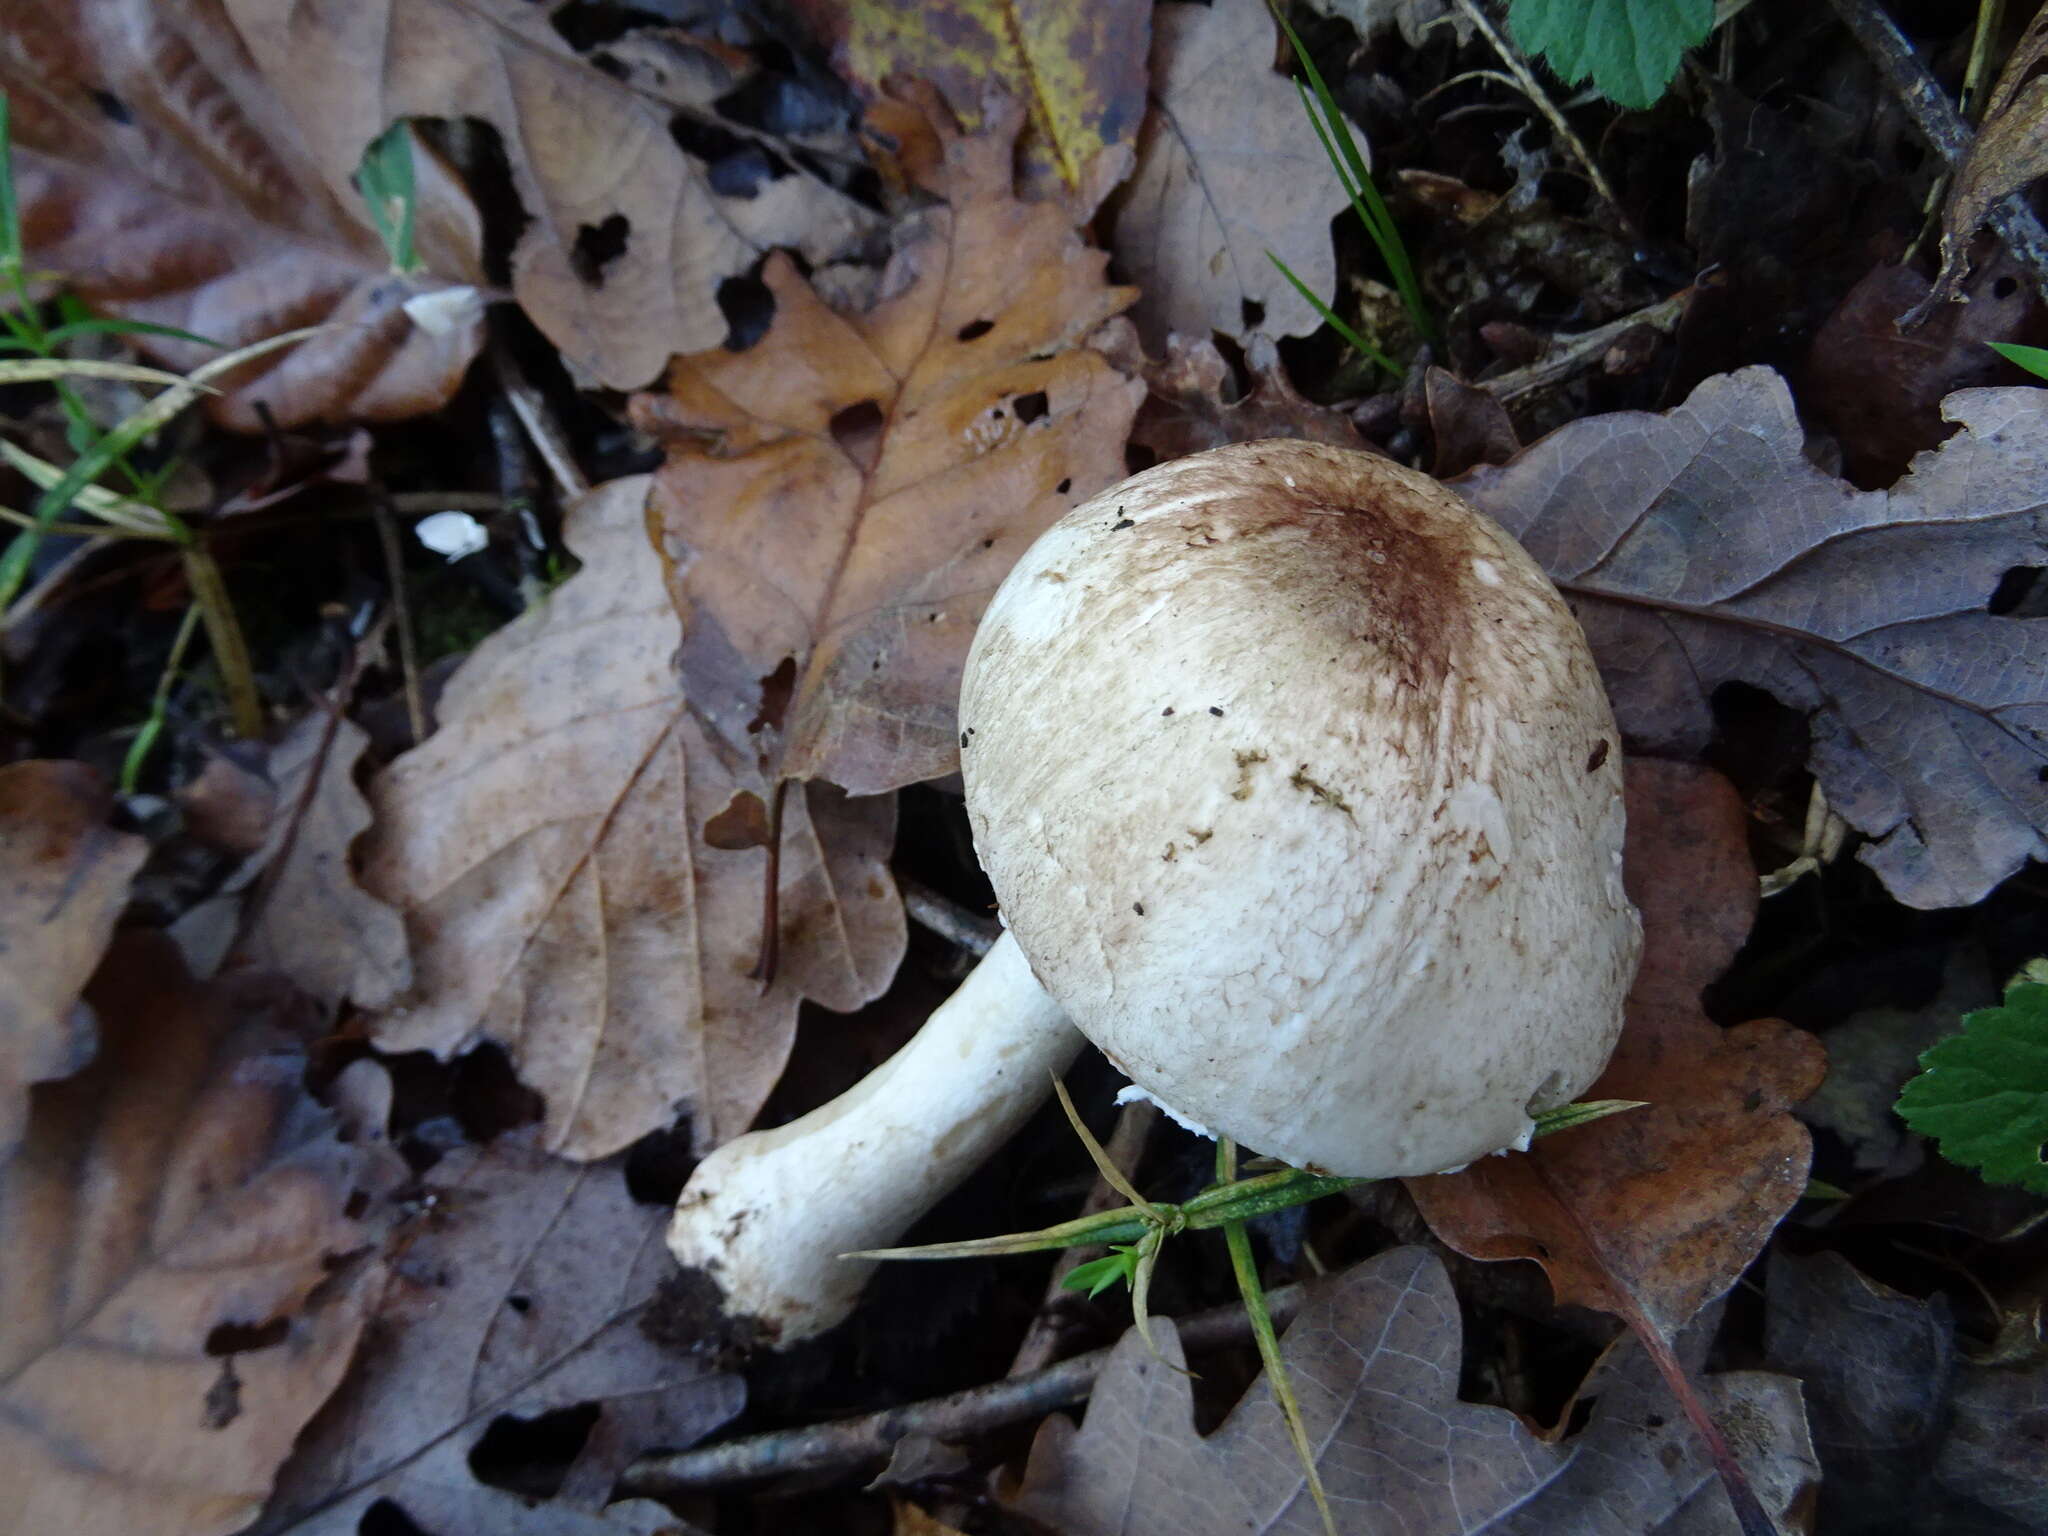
{"x":598,"y":246}
{"x":742,"y":824}
{"x":520,"y":1304}
{"x":486,"y":1097}
{"x":749,"y":309}
{"x":387,"y":1518}
{"x":858,"y":431}
{"x":659,"y":1164}
{"x":1252,"y":312}
{"x":242,"y":1338}
{"x":2013,"y":589}
{"x":974,"y":330}
{"x":1031,"y":407}
{"x":2005,"y":287}
{"x":777,"y":689}
{"x":115,"y":110}
{"x":530,"y":1457}
{"x":1064,"y":486}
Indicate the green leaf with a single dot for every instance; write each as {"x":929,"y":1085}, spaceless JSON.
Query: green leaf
{"x":2033,"y":359}
{"x":1630,"y":48}
{"x":1983,"y":1094}
{"x":1098,"y":1275}
{"x":385,"y":180}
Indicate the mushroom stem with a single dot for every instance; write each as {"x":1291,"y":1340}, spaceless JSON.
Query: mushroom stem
{"x":768,"y":1215}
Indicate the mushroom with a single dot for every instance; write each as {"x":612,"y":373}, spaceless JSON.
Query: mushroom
{"x":1301,"y":799}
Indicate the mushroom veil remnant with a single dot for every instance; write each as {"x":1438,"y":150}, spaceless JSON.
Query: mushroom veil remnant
{"x":1301,"y":799}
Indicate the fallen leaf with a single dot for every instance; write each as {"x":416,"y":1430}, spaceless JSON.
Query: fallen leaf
{"x":1879,"y":1374}
{"x":1700,"y":548}
{"x":1374,"y":1359}
{"x":64,"y":877}
{"x":2010,"y":151}
{"x":167,"y":181}
{"x":311,"y":921}
{"x":627,"y":240}
{"x":1653,"y":1213}
{"x":547,"y":847}
{"x":1470,"y":424}
{"x":518,"y":1293}
{"x":840,"y":500}
{"x":1879,"y":389}
{"x":1192,"y":402}
{"x":1229,"y":168}
{"x":177,"y":1300}
{"x":1078,"y":70}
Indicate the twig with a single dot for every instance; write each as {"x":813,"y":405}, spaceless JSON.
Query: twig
{"x":948,"y":919}
{"x":423,"y":503}
{"x":1944,"y":130}
{"x":853,"y":1442}
{"x":540,"y":424}
{"x":408,"y":651}
{"x":1570,"y":354}
{"x":1126,"y":1147}
{"x":1532,"y":88}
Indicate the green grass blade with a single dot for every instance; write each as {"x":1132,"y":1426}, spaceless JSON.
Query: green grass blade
{"x":2033,"y":359}
{"x":1351,"y":337}
{"x":104,"y":325}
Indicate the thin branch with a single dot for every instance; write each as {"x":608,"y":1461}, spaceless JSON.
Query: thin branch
{"x":1944,"y":130}
{"x":851,"y":1443}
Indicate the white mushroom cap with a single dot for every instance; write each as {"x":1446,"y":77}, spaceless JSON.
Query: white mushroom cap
{"x":1298,"y":788}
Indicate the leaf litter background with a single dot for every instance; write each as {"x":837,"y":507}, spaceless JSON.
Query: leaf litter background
{"x":314,"y":1214}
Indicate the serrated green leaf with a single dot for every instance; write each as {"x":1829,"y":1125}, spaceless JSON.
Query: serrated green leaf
{"x":1630,"y":48}
{"x":2033,"y":359}
{"x":1983,"y":1094}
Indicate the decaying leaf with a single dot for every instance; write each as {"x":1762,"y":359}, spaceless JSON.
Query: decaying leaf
{"x":840,"y":500}
{"x":164,"y":178}
{"x":1653,"y":1213}
{"x":1700,"y":548}
{"x":176,"y":1299}
{"x":518,"y":1294}
{"x":628,"y":240}
{"x":313,"y":922}
{"x":1192,"y":402}
{"x":1229,"y":168}
{"x":1078,"y":69}
{"x":557,"y":848}
{"x":1374,"y":1361}
{"x":64,"y":877}
{"x":2011,"y":150}
{"x":1879,"y":389}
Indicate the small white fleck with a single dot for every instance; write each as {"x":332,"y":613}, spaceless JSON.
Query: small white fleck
{"x":444,"y":310}
{"x":451,"y":534}
{"x":1487,"y":572}
{"x":1290,"y":481}
{"x":1376,"y":556}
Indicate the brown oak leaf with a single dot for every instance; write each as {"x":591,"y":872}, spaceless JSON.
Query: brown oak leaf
{"x":841,"y":499}
{"x":555,"y":847}
{"x":178,"y":1294}
{"x":64,"y":877}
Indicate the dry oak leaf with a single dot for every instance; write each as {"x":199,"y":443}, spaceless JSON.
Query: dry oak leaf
{"x":1079,"y":70}
{"x":840,"y":500}
{"x":1700,"y":547}
{"x":1653,"y":1213}
{"x":1228,"y":169}
{"x":2010,"y":151}
{"x":1373,"y":1358}
{"x":627,"y":240}
{"x":548,"y":846}
{"x":177,"y":1296}
{"x":163,"y":178}
{"x":314,"y":923}
{"x":64,"y":877}
{"x":519,"y":1293}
